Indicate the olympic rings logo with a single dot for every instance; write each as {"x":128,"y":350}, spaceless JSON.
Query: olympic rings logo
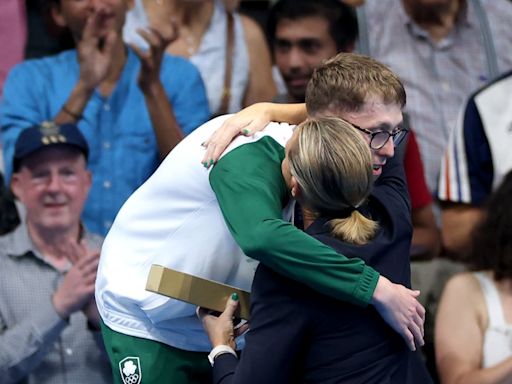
{"x":132,"y":379}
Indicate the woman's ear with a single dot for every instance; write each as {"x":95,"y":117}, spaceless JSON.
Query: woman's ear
{"x":295,"y":189}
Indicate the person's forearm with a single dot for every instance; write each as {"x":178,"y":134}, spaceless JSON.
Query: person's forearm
{"x":167,"y":131}
{"x":73,"y":109}
{"x":289,"y":113}
{"x":457,"y":224}
{"x":425,"y":243}
{"x":23,"y":346}
{"x":426,"y":239}
{"x":498,"y":374}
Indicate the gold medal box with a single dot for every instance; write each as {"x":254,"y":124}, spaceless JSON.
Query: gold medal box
{"x":195,"y":290}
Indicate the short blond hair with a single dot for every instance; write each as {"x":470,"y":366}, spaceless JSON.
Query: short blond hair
{"x":347,"y":81}
{"x":333,"y":167}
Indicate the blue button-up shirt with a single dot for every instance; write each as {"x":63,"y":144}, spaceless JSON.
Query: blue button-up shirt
{"x":123,"y":148}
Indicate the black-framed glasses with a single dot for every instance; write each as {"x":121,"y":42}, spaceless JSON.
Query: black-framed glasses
{"x":378,"y":139}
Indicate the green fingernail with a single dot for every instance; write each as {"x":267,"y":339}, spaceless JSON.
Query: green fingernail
{"x":211,"y":161}
{"x":205,"y":164}
{"x":234,"y":296}
{"x":246,"y":131}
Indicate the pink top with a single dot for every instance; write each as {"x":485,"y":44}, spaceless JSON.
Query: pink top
{"x":13,"y":35}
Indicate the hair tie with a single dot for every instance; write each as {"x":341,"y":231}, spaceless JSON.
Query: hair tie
{"x":342,"y":213}
{"x":363,"y":209}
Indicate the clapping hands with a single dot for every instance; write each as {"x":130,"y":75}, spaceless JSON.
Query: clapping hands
{"x":158,"y":38}
{"x":76,"y":291}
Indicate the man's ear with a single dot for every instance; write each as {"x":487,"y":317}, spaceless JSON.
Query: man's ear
{"x":16,"y":187}
{"x":56,"y":13}
{"x":89,"y":181}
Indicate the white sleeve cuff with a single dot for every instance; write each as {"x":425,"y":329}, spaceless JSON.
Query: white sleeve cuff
{"x":219,"y":350}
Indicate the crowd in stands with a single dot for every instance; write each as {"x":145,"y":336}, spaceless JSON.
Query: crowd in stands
{"x":94,"y":94}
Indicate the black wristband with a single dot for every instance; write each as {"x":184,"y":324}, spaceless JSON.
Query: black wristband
{"x":74,"y":115}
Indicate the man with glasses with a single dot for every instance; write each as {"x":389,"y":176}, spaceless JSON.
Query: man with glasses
{"x":49,"y":323}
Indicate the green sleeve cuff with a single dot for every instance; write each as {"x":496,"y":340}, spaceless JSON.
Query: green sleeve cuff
{"x":363,"y":291}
